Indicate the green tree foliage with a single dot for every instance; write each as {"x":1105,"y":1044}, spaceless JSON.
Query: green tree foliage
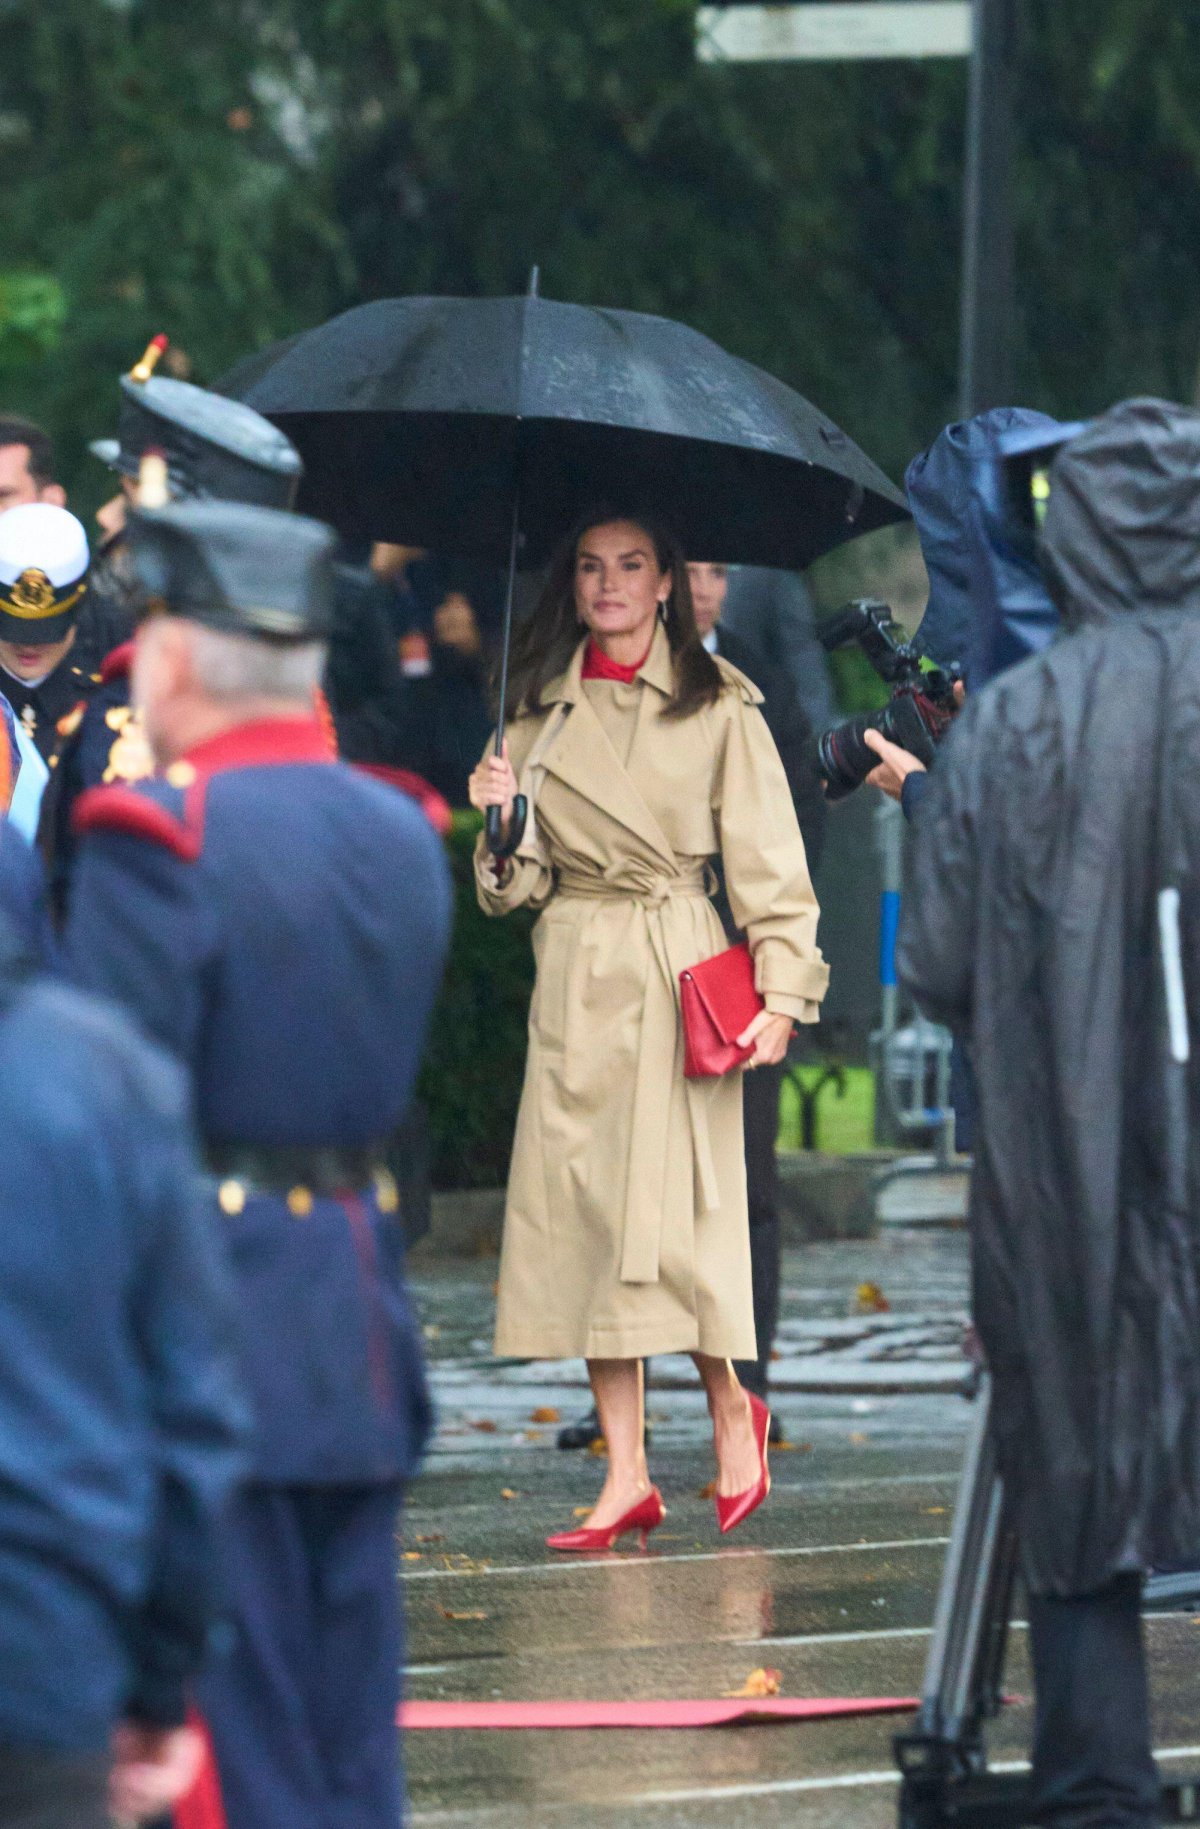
{"x":232,"y":173}
{"x":139,"y":168}
{"x":32,"y":313}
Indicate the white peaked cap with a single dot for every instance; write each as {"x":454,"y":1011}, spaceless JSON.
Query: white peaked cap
{"x":39,"y":537}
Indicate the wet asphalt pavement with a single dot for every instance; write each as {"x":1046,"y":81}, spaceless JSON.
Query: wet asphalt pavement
{"x":831,"y":1583}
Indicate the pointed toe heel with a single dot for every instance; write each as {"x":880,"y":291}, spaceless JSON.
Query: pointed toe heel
{"x":736,"y":1508}
{"x":644,"y":1517}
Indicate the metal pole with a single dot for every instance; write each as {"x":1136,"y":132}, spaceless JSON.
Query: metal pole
{"x":889,"y":840}
{"x":986,"y":376}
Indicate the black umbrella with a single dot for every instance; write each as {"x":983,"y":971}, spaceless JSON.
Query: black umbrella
{"x":485,"y":427}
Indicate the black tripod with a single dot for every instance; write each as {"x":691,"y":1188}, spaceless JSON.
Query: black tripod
{"x":945,"y":1782}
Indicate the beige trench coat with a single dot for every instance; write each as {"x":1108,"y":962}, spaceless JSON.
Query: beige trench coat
{"x":626,"y":1229}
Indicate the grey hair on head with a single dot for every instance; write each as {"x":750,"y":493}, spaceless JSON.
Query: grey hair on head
{"x":231,"y":666}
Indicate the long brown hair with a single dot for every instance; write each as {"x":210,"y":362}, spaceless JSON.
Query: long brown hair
{"x":543,"y":645}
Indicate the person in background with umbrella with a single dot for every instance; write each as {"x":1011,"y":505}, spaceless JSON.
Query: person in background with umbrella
{"x":788,"y":724}
{"x":641,"y":758}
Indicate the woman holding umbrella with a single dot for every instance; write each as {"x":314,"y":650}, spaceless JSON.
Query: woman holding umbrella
{"x":626,"y":1235}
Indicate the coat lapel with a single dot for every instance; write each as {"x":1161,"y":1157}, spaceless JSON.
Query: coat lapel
{"x":584,"y":760}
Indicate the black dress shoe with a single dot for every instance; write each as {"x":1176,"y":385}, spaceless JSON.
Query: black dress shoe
{"x":580,"y":1434}
{"x":583,"y":1433}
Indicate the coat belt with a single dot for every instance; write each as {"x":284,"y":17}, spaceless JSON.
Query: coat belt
{"x":649,"y":890}
{"x":659,"y":1058}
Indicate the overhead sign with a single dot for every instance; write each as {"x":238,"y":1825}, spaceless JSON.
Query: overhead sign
{"x":820,"y":30}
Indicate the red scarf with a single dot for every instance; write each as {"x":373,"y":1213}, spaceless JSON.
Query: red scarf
{"x":597,"y":666}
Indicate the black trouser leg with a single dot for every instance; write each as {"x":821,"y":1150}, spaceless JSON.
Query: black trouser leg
{"x":45,"y":1790}
{"x":1092,"y":1761}
{"x":760,"y":1108}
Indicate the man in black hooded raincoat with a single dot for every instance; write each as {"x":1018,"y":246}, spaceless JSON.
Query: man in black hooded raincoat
{"x":1066,"y":799}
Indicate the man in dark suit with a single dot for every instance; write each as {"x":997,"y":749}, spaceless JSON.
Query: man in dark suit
{"x":789,"y":724}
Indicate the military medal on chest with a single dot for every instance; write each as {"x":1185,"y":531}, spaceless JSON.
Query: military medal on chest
{"x":129,"y":759}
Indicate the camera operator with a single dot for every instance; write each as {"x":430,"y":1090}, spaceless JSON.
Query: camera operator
{"x":943,"y":489}
{"x":1053,"y":924}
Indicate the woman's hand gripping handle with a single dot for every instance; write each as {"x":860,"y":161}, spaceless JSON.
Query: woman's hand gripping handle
{"x":492,"y":790}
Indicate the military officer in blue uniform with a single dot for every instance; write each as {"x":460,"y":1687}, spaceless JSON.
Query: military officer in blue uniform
{"x":120,"y":1416}
{"x":212,"y":449}
{"x":279,"y":921}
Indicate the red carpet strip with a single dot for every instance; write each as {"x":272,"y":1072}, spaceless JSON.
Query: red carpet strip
{"x":725,"y":1712}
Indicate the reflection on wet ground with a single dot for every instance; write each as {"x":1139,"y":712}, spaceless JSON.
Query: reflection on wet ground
{"x":832,"y":1584}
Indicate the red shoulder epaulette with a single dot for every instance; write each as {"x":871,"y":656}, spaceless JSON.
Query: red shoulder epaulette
{"x":116,"y":666}
{"x":435,"y":806}
{"x":122,"y":809}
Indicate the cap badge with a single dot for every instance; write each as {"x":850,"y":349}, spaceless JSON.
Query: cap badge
{"x":33,"y":597}
{"x":33,"y":593}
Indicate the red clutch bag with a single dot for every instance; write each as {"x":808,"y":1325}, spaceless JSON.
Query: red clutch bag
{"x":718,"y":1002}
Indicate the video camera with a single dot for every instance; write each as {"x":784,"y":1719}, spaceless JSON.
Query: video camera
{"x":916,"y":716}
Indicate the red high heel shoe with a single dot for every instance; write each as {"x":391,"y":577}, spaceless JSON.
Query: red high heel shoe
{"x":644,"y":1517}
{"x":735,"y":1509}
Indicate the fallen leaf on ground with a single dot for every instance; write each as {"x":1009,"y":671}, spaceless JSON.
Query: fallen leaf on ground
{"x":791,"y":1447}
{"x":485,"y":1426}
{"x":532,"y":1435}
{"x":935,"y":1511}
{"x":599,"y":1447}
{"x":430,"y":1537}
{"x":545,"y":1413}
{"x":869,"y":1299}
{"x":432,"y":1331}
{"x":582,"y":1511}
{"x":707,"y":1492}
{"x":857,"y":1438}
{"x":760,"y":1682}
{"x":450,"y":1613}
{"x":413,"y":1556}
{"x":506,"y":1492}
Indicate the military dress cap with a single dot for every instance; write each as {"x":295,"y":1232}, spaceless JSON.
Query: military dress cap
{"x":44,"y":563}
{"x":214,"y":447}
{"x":247,"y":571}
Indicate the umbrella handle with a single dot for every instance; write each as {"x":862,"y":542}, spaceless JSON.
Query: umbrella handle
{"x":499,"y":847}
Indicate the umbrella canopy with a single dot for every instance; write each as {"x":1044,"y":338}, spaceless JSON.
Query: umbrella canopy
{"x":428,"y":420}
